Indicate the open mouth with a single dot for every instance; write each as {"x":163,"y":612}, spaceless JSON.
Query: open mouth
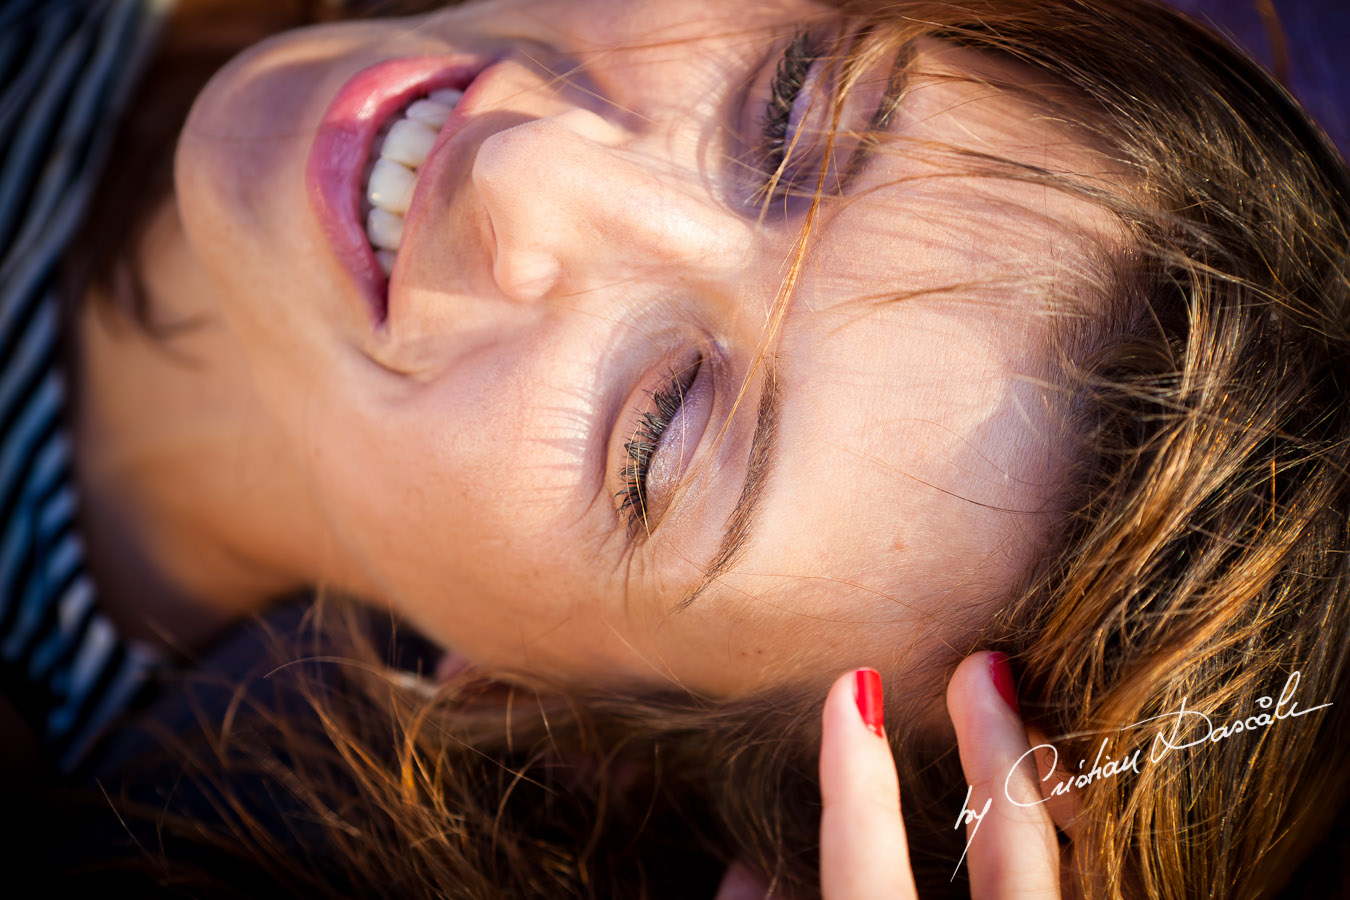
{"x":378,"y":132}
{"x":397,"y":153}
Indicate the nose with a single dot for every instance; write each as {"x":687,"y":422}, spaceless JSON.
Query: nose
{"x":577,"y":201}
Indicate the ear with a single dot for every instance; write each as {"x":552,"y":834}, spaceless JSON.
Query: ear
{"x":449,"y":666}
{"x":741,"y":883}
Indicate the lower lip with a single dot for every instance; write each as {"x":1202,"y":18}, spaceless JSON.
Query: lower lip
{"x":341,"y":147}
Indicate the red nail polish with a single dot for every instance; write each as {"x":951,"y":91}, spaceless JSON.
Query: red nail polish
{"x":867,"y":694}
{"x":1000,"y":670}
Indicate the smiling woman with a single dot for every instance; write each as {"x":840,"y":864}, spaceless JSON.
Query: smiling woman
{"x":601,"y":367}
{"x":664,"y":360}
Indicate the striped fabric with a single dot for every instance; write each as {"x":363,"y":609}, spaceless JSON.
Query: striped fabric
{"x":66,"y":66}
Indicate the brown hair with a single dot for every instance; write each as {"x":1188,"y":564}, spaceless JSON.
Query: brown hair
{"x":1202,"y":561}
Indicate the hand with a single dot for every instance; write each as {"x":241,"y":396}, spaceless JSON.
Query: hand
{"x":1012,"y":850}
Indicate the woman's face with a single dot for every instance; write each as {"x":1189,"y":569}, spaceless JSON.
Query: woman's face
{"x":583,"y":266}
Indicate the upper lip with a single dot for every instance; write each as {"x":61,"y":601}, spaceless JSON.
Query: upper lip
{"x":439,"y":166}
{"x":342,"y":146}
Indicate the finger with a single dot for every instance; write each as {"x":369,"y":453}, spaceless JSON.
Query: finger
{"x":1012,"y":848}
{"x":862,"y":838}
{"x":1051,"y":769}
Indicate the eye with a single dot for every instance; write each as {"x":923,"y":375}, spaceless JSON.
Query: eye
{"x":781,"y":113}
{"x":651,"y":425}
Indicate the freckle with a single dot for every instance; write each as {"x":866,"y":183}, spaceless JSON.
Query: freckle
{"x":900,"y":544}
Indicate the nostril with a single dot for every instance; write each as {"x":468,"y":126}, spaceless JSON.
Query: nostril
{"x":526,"y":276}
{"x":591,"y":126}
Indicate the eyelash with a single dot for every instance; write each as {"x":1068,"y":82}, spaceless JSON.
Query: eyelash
{"x":795,"y":65}
{"x":790,"y":76}
{"x":650,"y":427}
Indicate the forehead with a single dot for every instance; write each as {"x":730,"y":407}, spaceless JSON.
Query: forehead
{"x":920,"y":437}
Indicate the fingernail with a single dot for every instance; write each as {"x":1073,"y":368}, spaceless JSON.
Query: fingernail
{"x":1000,"y":670}
{"x":867,"y":694}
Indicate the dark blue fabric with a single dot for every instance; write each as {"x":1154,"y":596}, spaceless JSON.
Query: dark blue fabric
{"x":166,"y":762}
{"x":66,"y":69}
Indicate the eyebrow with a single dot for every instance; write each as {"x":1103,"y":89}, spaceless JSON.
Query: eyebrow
{"x":762,"y":445}
{"x":765,"y":439}
{"x":897,"y":80}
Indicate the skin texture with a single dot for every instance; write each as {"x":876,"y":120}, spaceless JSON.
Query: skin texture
{"x":459,"y":464}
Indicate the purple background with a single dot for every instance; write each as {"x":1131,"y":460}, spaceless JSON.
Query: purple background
{"x":1318,"y":36}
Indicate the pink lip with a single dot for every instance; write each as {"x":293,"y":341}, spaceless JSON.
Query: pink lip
{"x":436,"y":174}
{"x":341,"y":147}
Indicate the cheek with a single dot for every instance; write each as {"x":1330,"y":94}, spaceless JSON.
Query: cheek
{"x":442,"y":495}
{"x":383,"y":491}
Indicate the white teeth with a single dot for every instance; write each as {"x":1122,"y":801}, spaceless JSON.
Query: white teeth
{"x":391,"y":186}
{"x":450,"y":97}
{"x":385,"y":229}
{"x":398,"y":151}
{"x":408,"y":142}
{"x":430,"y":113}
